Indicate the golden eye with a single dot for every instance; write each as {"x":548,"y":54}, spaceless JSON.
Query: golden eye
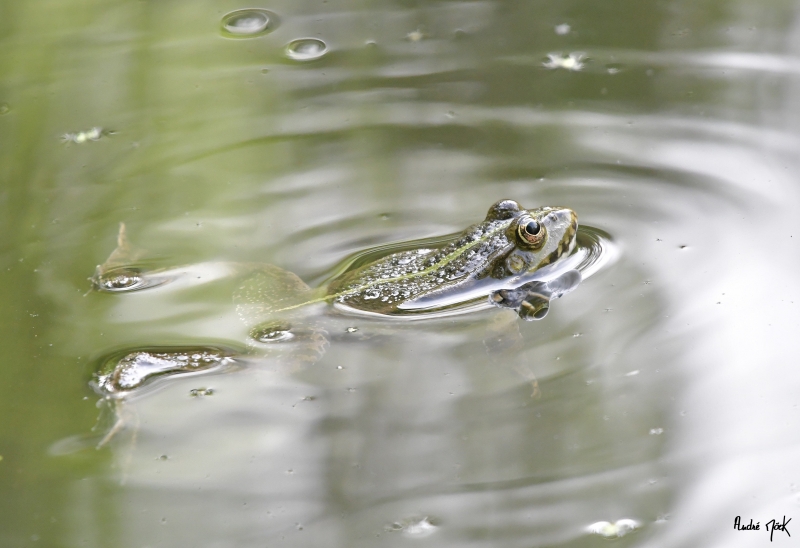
{"x":531,"y":232}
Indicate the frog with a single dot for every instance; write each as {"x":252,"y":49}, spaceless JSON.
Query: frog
{"x":508,"y":257}
{"x":515,"y":258}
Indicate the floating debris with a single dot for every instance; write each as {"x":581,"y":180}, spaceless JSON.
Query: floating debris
{"x":195,"y":392}
{"x":619,"y":528}
{"x":416,"y":35}
{"x":562,"y":29}
{"x":80,"y":137}
{"x":572,"y":61}
{"x":417,"y":527}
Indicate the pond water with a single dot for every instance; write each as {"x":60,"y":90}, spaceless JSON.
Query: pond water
{"x":301,"y":134}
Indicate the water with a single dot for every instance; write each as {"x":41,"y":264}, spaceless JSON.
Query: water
{"x":657,"y":400}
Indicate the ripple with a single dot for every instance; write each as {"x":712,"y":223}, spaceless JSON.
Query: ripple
{"x":306,"y":49}
{"x":595,"y":250}
{"x":248,"y":23}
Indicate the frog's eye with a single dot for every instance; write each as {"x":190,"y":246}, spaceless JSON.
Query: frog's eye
{"x":531,"y":233}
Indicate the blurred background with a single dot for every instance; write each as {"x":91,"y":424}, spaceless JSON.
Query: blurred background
{"x":299,"y":133}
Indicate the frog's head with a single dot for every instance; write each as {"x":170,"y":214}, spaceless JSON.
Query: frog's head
{"x":536,"y":237}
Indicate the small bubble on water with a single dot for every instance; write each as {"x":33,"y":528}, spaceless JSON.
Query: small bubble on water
{"x":562,"y":29}
{"x":306,"y":49}
{"x":339,"y":367}
{"x":351,"y":329}
{"x":620,"y":528}
{"x":656,"y":431}
{"x":632,"y":373}
{"x":248,"y":23}
{"x":163,"y":457}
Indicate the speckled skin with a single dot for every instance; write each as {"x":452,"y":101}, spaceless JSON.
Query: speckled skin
{"x":492,"y":248}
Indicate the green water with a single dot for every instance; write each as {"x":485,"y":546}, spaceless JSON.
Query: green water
{"x":668,"y":382}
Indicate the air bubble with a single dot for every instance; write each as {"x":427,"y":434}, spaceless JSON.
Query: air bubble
{"x":248,"y":23}
{"x":306,"y":49}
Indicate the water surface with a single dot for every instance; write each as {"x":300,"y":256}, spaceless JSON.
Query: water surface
{"x":667,"y":380}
